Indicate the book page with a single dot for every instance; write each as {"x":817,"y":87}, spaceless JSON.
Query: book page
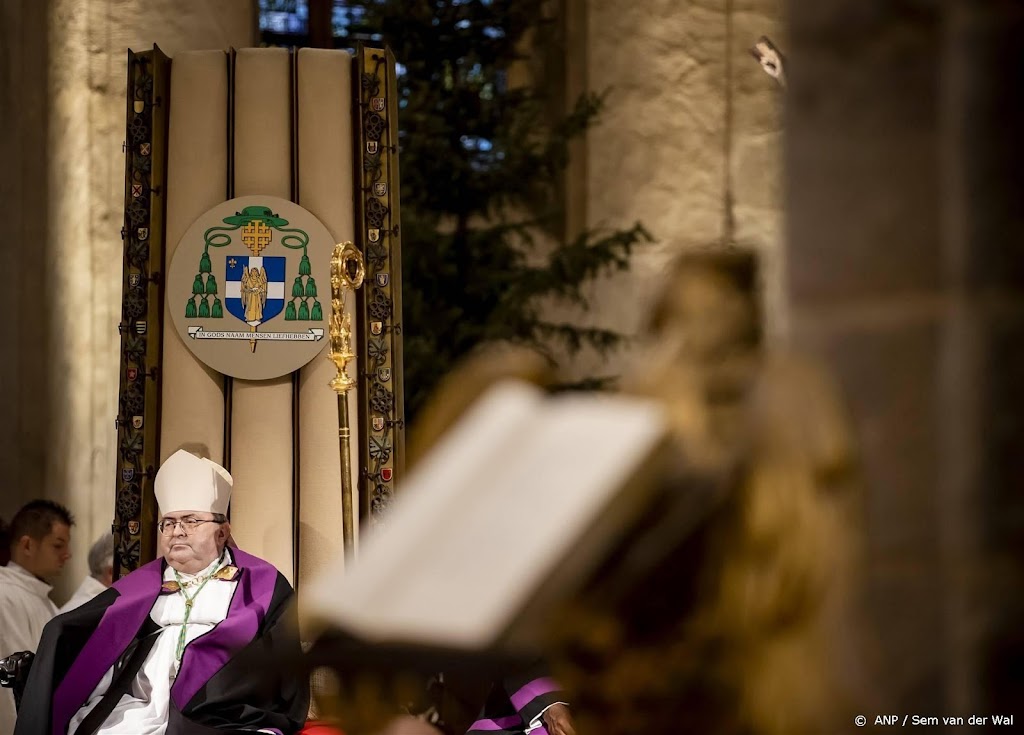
{"x":489,"y":514}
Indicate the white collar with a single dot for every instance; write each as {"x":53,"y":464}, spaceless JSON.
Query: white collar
{"x":24,"y":578}
{"x":221,"y":561}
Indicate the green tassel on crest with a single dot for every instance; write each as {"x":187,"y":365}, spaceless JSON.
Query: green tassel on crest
{"x":310,"y":287}
{"x":190,"y":309}
{"x":289,"y":312}
{"x":197,"y":286}
{"x":303,"y":312}
{"x":304,"y":267}
{"x":317,"y":313}
{"x":211,"y":284}
{"x":204,"y":310}
{"x":297,"y":288}
{"x":217,"y":312}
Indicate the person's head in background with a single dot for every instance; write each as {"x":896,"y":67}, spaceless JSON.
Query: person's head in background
{"x":101,"y":560}
{"x":40,"y":538}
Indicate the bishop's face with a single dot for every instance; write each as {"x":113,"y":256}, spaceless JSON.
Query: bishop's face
{"x":191,"y":540}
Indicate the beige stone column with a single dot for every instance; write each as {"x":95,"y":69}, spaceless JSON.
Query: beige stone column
{"x":691,"y":122}
{"x":66,"y":62}
{"x":904,"y":159}
{"x":24,"y":303}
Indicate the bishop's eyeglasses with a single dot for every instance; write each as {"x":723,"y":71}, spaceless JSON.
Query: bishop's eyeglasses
{"x":188,"y":525}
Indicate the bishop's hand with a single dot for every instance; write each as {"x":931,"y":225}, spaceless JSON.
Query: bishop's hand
{"x":14,"y":673}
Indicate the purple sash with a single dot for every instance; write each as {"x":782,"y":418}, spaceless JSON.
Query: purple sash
{"x":203,"y":657}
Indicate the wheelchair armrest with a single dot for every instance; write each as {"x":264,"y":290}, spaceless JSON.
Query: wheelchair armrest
{"x":14,"y":673}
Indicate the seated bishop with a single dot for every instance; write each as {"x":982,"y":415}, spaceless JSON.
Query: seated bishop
{"x":184,"y":645}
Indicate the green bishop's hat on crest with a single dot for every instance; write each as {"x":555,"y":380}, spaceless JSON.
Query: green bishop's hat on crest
{"x":253,"y":214}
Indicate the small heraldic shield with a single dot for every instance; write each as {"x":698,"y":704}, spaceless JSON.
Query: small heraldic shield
{"x":240,"y":279}
{"x":137,"y":422}
{"x":140,"y":327}
{"x":376,"y":328}
{"x":378,"y":423}
{"x":133,"y":373}
{"x":134,"y":279}
{"x":133,"y":527}
{"x":377,"y":104}
{"x":384,"y":374}
{"x":143,"y":233}
{"x":382,"y":279}
{"x":371,"y":147}
{"x":386,"y":473}
{"x":136,"y":190}
{"x":127,"y":473}
{"x":380,"y":189}
{"x":139,"y":106}
{"x":373,"y":234}
{"x":144,"y":148}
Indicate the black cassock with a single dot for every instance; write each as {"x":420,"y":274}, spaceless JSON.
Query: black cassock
{"x":228,"y":680}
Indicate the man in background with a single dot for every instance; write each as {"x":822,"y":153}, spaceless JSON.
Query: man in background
{"x":101,"y":573}
{"x":40,"y":545}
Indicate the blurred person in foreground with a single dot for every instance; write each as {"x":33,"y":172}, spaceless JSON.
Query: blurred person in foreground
{"x":101,"y":573}
{"x":181,"y":645}
{"x":729,"y":609}
{"x":39,"y":544}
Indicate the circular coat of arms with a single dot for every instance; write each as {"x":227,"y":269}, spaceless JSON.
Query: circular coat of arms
{"x":248,"y":287}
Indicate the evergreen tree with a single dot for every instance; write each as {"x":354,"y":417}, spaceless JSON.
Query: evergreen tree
{"x":481,"y":168}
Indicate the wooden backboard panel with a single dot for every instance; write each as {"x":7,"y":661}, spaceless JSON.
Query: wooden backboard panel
{"x":314,"y":126}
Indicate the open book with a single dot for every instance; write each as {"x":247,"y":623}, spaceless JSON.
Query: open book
{"x":510,"y":508}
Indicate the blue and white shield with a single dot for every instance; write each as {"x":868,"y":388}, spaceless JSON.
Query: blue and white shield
{"x":240,"y":292}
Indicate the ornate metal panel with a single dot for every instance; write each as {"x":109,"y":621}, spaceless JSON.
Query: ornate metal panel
{"x":138,"y":419}
{"x":380,"y":306}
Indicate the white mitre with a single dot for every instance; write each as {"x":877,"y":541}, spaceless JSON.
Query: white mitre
{"x":187,"y":482}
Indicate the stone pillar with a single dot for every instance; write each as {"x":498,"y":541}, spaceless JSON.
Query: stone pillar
{"x":25,"y":303}
{"x":691,"y":121}
{"x":983,"y":116}
{"x":903,"y":173}
{"x":754,"y":151}
{"x":58,"y":442}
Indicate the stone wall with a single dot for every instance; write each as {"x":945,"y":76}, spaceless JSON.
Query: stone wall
{"x":64,"y":65}
{"x":25,"y":305}
{"x":904,"y":161}
{"x":691,"y":121}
